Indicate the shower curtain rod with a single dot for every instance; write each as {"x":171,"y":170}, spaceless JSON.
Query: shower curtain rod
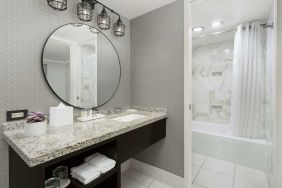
{"x":264,"y":26}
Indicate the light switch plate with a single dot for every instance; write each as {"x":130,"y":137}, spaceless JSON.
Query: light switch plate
{"x":16,"y":115}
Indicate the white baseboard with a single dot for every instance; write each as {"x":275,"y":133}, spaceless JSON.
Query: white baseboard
{"x":154,"y":172}
{"x":125,"y":166}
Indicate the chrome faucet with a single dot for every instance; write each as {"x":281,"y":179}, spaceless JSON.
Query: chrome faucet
{"x":118,"y":109}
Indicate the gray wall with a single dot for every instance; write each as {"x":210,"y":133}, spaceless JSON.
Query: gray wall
{"x":25,"y":25}
{"x":157,"y":72}
{"x":108,"y":70}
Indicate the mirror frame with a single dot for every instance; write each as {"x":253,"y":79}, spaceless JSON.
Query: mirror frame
{"x":45,"y":78}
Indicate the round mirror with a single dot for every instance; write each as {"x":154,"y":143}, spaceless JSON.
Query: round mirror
{"x":81,"y":65}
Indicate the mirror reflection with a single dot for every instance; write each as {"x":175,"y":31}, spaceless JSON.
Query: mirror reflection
{"x":81,"y":65}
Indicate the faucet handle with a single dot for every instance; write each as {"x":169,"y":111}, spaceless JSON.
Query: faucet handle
{"x":95,"y":109}
{"x":117,"y":108}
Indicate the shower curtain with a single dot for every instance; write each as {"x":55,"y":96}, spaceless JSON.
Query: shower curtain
{"x":247,"y":82}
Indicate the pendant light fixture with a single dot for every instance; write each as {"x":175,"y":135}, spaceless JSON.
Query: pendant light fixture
{"x":85,"y":13}
{"x":119,"y":28}
{"x":103,"y":20}
{"x":85,"y":10}
{"x":59,"y":5}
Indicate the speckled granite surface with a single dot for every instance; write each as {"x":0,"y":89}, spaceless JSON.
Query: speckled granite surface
{"x":64,"y":140}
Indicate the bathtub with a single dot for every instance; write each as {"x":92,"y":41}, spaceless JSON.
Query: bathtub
{"x":217,"y":141}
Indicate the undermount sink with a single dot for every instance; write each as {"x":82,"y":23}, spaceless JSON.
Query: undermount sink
{"x":129,"y":117}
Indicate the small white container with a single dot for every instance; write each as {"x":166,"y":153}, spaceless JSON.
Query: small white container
{"x":61,"y":115}
{"x":35,"y":129}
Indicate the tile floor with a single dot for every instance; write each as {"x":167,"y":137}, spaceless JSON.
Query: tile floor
{"x":134,"y":179}
{"x":209,"y":172}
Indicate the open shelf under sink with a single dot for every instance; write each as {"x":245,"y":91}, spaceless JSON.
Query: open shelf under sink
{"x":77,"y":184}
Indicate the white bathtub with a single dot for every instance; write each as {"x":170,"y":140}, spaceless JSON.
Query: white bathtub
{"x":216,"y":140}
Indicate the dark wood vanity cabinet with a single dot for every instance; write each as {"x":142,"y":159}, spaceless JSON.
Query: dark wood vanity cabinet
{"x":136,"y":141}
{"x":119,"y":148}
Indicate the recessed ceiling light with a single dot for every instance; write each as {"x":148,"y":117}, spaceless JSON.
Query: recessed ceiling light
{"x":198,"y":29}
{"x":216,"y":24}
{"x":215,"y":33}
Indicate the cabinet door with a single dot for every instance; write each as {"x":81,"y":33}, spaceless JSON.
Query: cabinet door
{"x":23,"y":176}
{"x":133,"y":142}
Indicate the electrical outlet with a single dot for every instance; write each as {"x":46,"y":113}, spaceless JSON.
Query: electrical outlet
{"x":16,"y":115}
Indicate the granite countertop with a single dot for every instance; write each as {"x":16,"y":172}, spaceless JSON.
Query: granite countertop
{"x":64,"y":140}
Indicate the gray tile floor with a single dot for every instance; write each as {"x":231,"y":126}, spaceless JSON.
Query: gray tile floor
{"x":134,"y":179}
{"x":210,"y":172}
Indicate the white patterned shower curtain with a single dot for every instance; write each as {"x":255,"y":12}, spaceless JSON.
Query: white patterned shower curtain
{"x":247,"y":82}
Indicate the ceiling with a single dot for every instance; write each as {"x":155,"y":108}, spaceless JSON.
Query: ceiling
{"x":226,"y":36}
{"x":74,"y":34}
{"x":58,"y":46}
{"x":56,"y":52}
{"x":134,"y":8}
{"x":232,"y":12}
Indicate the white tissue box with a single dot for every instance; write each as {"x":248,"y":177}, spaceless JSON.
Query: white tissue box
{"x":61,"y":115}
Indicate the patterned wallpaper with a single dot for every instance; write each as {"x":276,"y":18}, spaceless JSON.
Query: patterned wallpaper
{"x":25,"y":25}
{"x":212,"y":80}
{"x":157,"y":57}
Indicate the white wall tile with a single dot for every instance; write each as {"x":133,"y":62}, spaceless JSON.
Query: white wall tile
{"x":212,"y":77}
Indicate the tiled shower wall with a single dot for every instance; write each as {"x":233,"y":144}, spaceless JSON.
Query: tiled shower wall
{"x":212,"y":82}
{"x":25,"y":25}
